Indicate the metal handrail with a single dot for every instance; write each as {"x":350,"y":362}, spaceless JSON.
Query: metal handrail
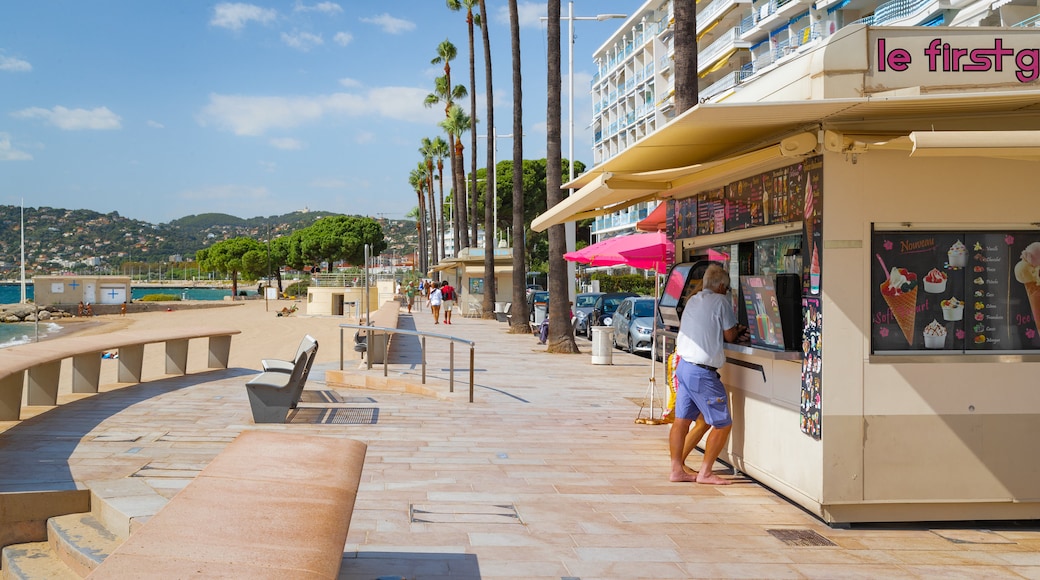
{"x":422,"y":335}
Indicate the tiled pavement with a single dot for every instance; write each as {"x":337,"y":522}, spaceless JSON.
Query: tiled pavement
{"x":545,"y":475}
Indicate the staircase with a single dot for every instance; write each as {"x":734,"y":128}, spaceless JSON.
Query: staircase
{"x":76,"y":543}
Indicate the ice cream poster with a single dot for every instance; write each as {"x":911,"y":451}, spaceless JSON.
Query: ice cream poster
{"x":955,"y":291}
{"x":812,"y":216}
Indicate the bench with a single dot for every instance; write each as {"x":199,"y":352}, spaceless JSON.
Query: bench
{"x":377,"y":341}
{"x":37,"y":366}
{"x":274,"y":392}
{"x":271,"y":505}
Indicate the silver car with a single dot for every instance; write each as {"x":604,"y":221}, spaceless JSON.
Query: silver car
{"x":634,"y":324}
{"x":583,"y":305}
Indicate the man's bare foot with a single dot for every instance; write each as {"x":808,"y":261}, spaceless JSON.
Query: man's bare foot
{"x":682,"y":477}
{"x":689,"y":469}
{"x":712,"y":479}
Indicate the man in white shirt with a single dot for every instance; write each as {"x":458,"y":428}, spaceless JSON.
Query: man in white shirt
{"x":707,"y":320}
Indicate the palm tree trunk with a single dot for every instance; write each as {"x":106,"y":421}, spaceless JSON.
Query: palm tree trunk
{"x":456,"y":183}
{"x":440,"y":206}
{"x":519,"y":322}
{"x":560,"y":337}
{"x":432,"y":213}
{"x":473,"y":130}
{"x":491,"y":199}
{"x":460,"y":168}
{"x":687,"y":93}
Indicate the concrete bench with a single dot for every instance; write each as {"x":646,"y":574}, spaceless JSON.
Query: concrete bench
{"x":277,"y":390}
{"x":37,"y":366}
{"x":271,"y":505}
{"x":375,"y":340}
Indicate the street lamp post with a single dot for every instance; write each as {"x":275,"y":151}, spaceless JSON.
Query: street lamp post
{"x":570,"y":228}
{"x":493,"y":179}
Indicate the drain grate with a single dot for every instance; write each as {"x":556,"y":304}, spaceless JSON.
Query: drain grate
{"x":320,"y":416}
{"x":462,"y":513}
{"x":806,"y":538}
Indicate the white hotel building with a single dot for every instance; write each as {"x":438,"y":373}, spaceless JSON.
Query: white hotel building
{"x":740,"y":40}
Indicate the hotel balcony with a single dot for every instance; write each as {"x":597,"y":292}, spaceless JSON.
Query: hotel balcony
{"x":718,"y":53}
{"x":716,"y":13}
{"x":907,"y":13}
{"x":769,"y":16}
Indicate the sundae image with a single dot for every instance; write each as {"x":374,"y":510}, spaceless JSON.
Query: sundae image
{"x":900,"y":293}
{"x":814,"y":272}
{"x":935,"y":282}
{"x":952,"y":308}
{"x":934,"y":335}
{"x":1027,"y":271}
{"x":957,"y":255}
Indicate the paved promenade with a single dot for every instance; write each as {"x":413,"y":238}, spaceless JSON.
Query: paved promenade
{"x":545,"y":475}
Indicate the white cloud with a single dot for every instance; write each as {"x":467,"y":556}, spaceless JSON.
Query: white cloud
{"x":155,"y":124}
{"x":302,"y":41}
{"x":350,"y":83}
{"x":529,"y":14}
{"x":364,"y":137}
{"x":73,"y":119}
{"x":343,"y":38}
{"x":325,"y":7}
{"x":12,"y":64}
{"x":234,"y":16}
{"x":254,"y":116}
{"x":9,"y":153}
{"x":389,"y":24}
{"x":286,"y":143}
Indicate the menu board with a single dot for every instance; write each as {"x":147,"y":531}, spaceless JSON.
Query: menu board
{"x":763,"y":311}
{"x":685,"y":218}
{"x":782,"y":194}
{"x":968,"y":292}
{"x":744,"y":207}
{"x":711,"y":212}
{"x":809,"y":412}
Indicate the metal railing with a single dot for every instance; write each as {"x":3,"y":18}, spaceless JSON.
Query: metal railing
{"x":386,"y":332}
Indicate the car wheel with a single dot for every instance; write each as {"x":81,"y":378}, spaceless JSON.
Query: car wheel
{"x":631,"y":345}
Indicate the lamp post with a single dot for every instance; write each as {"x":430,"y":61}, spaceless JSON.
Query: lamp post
{"x":570,"y":228}
{"x":493,"y":179}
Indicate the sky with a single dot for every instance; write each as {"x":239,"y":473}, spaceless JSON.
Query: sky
{"x":163,"y":109}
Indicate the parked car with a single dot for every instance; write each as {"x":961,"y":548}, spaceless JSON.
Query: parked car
{"x":583,"y":305}
{"x":605,"y":307}
{"x":633,"y":324}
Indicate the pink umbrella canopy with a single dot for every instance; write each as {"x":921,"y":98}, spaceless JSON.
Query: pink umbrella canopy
{"x":651,"y":251}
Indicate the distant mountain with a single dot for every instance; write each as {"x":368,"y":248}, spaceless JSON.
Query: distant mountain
{"x":62,"y":240}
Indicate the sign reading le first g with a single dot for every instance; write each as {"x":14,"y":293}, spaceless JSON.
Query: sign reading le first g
{"x":960,"y":56}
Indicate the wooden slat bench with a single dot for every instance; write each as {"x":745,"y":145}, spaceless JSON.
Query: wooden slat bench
{"x":37,"y":366}
{"x":271,"y":505}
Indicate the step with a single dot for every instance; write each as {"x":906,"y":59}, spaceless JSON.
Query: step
{"x":33,"y":561}
{"x":81,"y":541}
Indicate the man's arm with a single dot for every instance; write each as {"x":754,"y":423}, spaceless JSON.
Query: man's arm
{"x":734,"y":334}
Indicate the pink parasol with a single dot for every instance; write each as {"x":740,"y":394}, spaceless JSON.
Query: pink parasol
{"x":651,"y":251}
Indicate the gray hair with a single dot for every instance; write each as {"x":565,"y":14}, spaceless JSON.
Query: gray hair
{"x":715,"y":276}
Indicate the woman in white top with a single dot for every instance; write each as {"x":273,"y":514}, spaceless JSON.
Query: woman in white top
{"x":435,"y":304}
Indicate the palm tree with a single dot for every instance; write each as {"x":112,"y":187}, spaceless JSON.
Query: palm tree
{"x":417,"y":179}
{"x":440,"y":151}
{"x":457,"y":5}
{"x":519,"y":324}
{"x":490,"y":200}
{"x":426,"y":150}
{"x":561,"y":339}
{"x":446,"y":93}
{"x":457,"y":123}
{"x":686,"y":90}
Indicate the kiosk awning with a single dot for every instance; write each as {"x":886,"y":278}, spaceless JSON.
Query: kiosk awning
{"x":725,"y":137}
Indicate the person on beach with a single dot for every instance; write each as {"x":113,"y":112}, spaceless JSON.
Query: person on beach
{"x":122,"y":309}
{"x":707,"y":320}
{"x":435,"y":303}
{"x":448,"y":300}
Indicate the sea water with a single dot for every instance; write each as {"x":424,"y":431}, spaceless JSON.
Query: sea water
{"x":13,"y":333}
{"x":12,"y":293}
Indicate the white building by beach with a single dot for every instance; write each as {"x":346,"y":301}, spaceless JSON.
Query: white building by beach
{"x":633,"y":90}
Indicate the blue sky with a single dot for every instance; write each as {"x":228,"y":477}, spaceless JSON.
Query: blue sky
{"x":163,"y":109}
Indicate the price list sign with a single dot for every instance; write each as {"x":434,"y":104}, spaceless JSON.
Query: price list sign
{"x":711,"y":212}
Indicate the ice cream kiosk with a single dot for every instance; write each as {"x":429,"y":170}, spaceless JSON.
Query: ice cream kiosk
{"x":884,"y":229}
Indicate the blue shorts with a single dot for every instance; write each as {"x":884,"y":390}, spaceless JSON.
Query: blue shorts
{"x":700,"y":392}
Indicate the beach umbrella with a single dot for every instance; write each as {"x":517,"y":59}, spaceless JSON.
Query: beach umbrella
{"x":652,"y":251}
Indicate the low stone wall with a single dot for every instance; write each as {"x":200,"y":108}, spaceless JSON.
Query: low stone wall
{"x":29,"y":313}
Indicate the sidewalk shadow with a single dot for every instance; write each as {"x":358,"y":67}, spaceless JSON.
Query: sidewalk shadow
{"x":367,"y":565}
{"x":406,"y":348}
{"x":36,"y":451}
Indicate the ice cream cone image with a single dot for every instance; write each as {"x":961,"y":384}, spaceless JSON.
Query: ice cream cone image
{"x":1027,"y":271}
{"x":1033,"y":291}
{"x":900,"y":292}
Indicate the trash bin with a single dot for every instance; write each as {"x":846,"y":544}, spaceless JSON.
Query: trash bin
{"x":602,"y":345}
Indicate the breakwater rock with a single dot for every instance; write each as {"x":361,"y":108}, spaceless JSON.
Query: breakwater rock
{"x":30,"y":313}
